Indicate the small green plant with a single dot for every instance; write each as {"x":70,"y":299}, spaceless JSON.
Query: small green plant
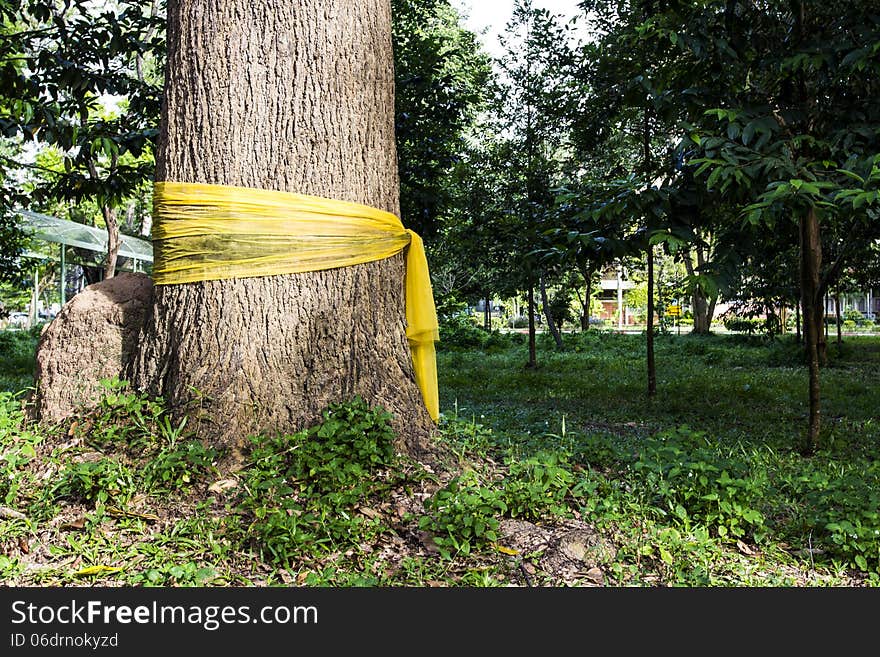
{"x":177,"y":467}
{"x":17,"y":446}
{"x":302,"y":491}
{"x":841,"y":511}
{"x":101,"y":481}
{"x":175,"y":574}
{"x":463,"y":515}
{"x":695,"y":485}
{"x":539,"y":485}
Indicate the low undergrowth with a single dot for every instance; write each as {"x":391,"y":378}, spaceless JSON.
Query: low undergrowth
{"x":125,"y":495}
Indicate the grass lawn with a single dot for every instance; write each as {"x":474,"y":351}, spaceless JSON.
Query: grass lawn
{"x":566,"y":475}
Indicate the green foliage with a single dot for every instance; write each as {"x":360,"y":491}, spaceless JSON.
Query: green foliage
{"x":102,"y":481}
{"x":177,"y":467}
{"x":746,"y":325}
{"x":17,"y":446}
{"x":461,"y":332}
{"x":17,"y":349}
{"x":188,"y":573}
{"x":840,"y":510}
{"x":681,"y":495}
{"x":560,"y":306}
{"x":539,"y":485}
{"x":59,"y":65}
{"x":463,"y":515}
{"x":142,"y":450}
{"x":302,"y":491}
{"x":695,"y":486}
{"x":573,"y":439}
{"x":856,"y":318}
{"x":441,"y":77}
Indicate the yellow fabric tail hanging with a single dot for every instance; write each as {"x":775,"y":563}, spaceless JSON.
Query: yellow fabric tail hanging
{"x":215,"y":232}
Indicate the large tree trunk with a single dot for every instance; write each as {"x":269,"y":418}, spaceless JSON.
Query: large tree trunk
{"x":295,"y":96}
{"x":811,"y":261}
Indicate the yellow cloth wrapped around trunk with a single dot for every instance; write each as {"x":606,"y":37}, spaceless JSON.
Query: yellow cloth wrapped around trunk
{"x":214,"y":232}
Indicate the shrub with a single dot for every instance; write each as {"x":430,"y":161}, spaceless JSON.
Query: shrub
{"x":696,"y":486}
{"x":463,"y":515}
{"x":105,"y":480}
{"x":461,"y":331}
{"x":301,"y":491}
{"x":743,"y":324}
{"x":856,"y":317}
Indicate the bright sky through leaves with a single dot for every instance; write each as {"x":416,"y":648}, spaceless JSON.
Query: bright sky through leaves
{"x":493,"y":15}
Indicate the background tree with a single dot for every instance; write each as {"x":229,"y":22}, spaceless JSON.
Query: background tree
{"x":60,"y":66}
{"x":798,"y":129}
{"x":442,"y":76}
{"x":532,"y":111}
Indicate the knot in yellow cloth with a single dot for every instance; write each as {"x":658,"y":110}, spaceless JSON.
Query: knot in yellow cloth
{"x":214,"y":232}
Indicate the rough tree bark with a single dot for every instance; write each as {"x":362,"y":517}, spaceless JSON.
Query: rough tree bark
{"x":113,"y":241}
{"x":111,"y":221}
{"x":295,"y":96}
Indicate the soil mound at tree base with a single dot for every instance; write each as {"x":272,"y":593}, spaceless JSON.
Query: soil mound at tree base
{"x":92,"y":338}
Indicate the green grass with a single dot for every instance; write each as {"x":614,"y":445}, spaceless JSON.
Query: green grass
{"x":730,"y":386}
{"x":17,"y":359}
{"x":702,"y":486}
{"x":717,"y":449}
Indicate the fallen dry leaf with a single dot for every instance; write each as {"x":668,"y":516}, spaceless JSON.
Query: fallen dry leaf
{"x":79,"y":523}
{"x":222,"y":485}
{"x":96,"y":570}
{"x":114,"y":512}
{"x":6,"y":512}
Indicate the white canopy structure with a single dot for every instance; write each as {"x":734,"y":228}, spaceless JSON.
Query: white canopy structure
{"x":52,"y":229}
{"x":69,"y":233}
